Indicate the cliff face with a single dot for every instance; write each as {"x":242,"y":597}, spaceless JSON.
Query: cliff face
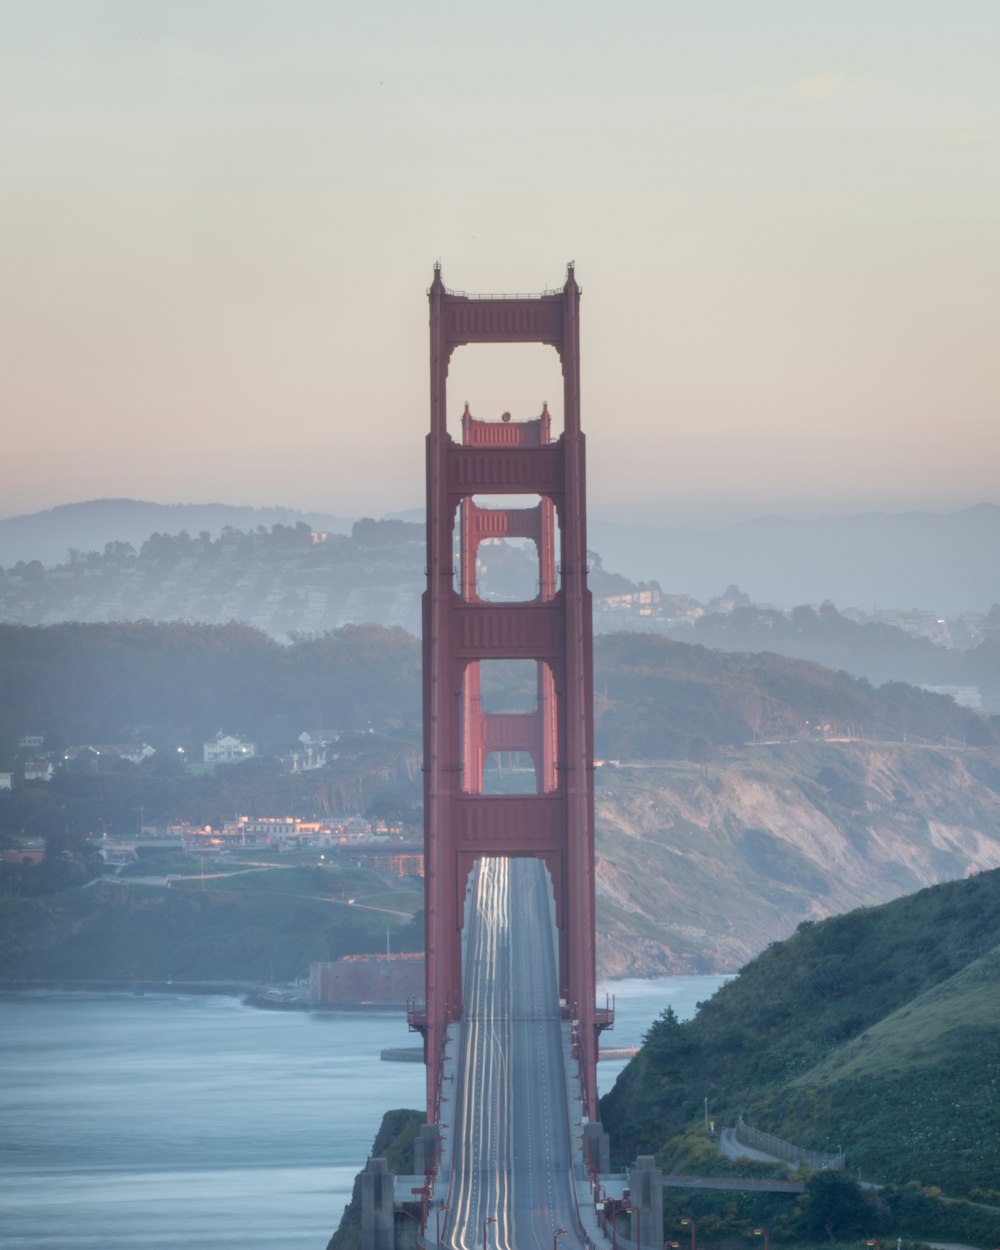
{"x":701,"y":867}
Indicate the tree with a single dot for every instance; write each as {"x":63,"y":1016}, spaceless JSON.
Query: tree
{"x":835,"y":1205}
{"x":701,"y":751}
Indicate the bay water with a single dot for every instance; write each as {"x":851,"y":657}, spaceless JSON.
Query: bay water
{"x":162,"y":1122}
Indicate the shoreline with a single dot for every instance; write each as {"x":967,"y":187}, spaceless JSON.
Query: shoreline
{"x":266,"y":997}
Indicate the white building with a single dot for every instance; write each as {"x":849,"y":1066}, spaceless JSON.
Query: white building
{"x":225,"y":749}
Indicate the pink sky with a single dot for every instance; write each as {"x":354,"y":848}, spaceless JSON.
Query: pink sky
{"x":219,"y":221}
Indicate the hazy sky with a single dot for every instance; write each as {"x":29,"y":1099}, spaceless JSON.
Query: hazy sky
{"x":218,"y":220}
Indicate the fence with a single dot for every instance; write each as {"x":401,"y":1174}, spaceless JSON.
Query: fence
{"x":771,"y":1145}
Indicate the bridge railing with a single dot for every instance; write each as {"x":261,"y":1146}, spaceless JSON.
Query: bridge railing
{"x":769,"y":1144}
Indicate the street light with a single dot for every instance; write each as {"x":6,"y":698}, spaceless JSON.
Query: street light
{"x":638,"y":1225}
{"x":439,"y":1207}
{"x":558,"y":1232}
{"x":762,"y":1232}
{"x":424,"y":1191}
{"x":492,"y":1219}
{"x":688,"y":1221}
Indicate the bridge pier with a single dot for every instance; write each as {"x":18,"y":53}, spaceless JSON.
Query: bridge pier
{"x":425,"y":1150}
{"x":596,"y":1149}
{"x":645,"y":1189}
{"x":378,"y":1209}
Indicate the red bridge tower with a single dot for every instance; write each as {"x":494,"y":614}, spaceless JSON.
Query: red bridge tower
{"x":556,"y":823}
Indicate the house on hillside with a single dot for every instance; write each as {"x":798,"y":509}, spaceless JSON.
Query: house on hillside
{"x":227,"y":749}
{"x":38,"y":769}
{"x":313,"y":752}
{"x":100,"y":757}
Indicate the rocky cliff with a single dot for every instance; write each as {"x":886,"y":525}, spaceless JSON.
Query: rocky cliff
{"x":702,"y":866}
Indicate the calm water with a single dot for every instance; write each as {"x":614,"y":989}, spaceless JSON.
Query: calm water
{"x":158,"y":1122}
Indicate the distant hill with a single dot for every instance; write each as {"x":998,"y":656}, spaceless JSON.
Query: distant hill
{"x":283,"y":579}
{"x":89,"y":526}
{"x":918,"y":559}
{"x":878,"y":1031}
{"x":286,"y":579}
{"x":710,"y":844}
{"x":944,"y":562}
{"x":881,"y":652}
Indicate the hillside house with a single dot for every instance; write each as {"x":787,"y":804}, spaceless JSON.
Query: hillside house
{"x":227,"y":749}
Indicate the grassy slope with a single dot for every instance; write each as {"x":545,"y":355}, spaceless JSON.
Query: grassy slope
{"x":932,"y":1068}
{"x":255,"y":926}
{"x":875,"y":1031}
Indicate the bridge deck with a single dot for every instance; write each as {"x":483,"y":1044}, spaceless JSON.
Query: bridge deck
{"x":511,"y":1160}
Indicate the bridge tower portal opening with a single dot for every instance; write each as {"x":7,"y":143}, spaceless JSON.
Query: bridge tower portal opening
{"x":499,"y":456}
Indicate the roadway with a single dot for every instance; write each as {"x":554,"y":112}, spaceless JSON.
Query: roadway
{"x":512,"y":1184}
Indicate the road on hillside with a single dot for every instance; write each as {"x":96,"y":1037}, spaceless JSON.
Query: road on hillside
{"x":512,"y":1185}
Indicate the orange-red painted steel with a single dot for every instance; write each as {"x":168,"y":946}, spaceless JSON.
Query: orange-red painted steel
{"x":461,"y":630}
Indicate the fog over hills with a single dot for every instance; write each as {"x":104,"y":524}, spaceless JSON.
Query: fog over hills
{"x":943,"y":561}
{"x":89,"y":526}
{"x":917,"y":559}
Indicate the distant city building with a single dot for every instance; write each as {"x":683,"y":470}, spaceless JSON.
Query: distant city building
{"x":29,"y":853}
{"x":97,"y":755}
{"x":128,"y":850}
{"x":357,"y":979}
{"x":314,"y":752}
{"x":30,"y":742}
{"x":5,"y":781}
{"x":319,"y":737}
{"x":226,"y":749}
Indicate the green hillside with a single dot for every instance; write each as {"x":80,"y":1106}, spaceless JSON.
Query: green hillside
{"x":876,"y":1031}
{"x":266,"y":926}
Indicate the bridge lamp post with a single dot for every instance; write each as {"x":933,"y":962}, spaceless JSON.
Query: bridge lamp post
{"x":425,"y":1192}
{"x":441,"y":1206}
{"x":638,"y":1225}
{"x":689,"y":1222}
{"x":558,"y":1232}
{"x":492,"y":1219}
{"x":762,"y":1232}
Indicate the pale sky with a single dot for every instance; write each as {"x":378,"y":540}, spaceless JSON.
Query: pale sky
{"x":218,"y":220}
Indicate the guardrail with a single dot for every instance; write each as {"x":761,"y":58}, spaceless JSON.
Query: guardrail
{"x":767,"y":1142}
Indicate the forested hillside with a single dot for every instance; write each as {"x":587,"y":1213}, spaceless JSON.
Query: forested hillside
{"x":881,"y":652}
{"x":176,"y":684}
